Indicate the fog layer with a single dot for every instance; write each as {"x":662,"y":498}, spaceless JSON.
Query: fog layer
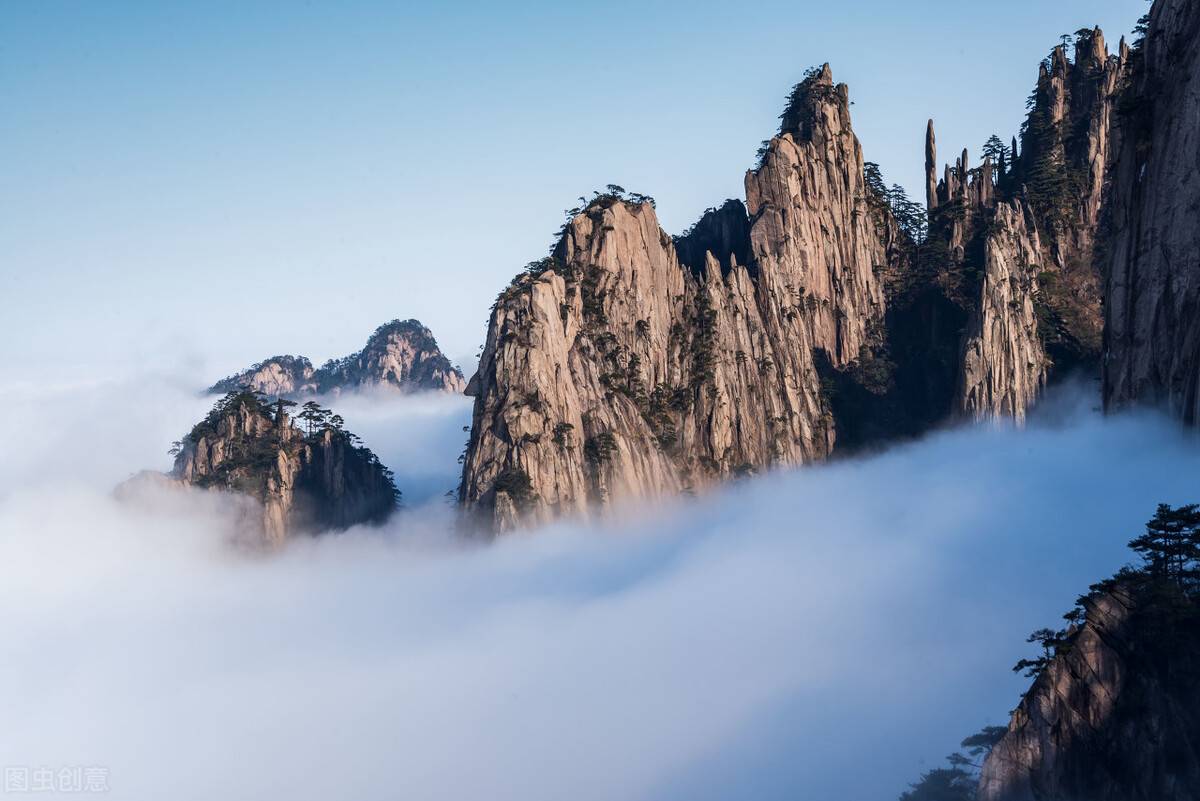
{"x":817,"y":633}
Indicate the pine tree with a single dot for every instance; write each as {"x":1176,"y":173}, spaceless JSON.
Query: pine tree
{"x":1050,"y":641}
{"x":1170,"y":547}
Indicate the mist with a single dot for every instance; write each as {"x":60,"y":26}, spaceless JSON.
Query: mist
{"x":826,"y":632}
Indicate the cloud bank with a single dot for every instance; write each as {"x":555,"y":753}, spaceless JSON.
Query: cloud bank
{"x":818,"y":633}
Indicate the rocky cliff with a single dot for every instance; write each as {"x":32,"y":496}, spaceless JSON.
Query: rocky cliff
{"x":1152,"y":298}
{"x":826,"y":313}
{"x":276,"y":377}
{"x":631,"y":365}
{"x":401,"y":355}
{"x":1012,"y":242}
{"x":307,"y":479}
{"x":1114,"y":716}
{"x":1068,"y":144}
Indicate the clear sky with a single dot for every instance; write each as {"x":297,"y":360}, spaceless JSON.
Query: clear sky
{"x":210,"y":183}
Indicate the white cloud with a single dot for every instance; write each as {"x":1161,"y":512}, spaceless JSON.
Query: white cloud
{"x":816,"y":633}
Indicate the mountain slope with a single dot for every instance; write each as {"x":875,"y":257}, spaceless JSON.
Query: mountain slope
{"x":401,"y":355}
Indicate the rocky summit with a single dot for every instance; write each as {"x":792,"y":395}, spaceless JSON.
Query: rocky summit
{"x":401,"y":355}
{"x":308,"y":473}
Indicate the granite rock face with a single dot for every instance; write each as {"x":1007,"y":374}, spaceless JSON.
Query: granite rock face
{"x":983,"y":255}
{"x":276,"y":377}
{"x":1114,"y":718}
{"x":400,"y":355}
{"x":1068,"y":144}
{"x":618,"y":372}
{"x":813,"y":238}
{"x":822,"y":315}
{"x":1012,"y":243}
{"x":1152,"y":298}
{"x":306,"y":481}
{"x":1004,"y":365}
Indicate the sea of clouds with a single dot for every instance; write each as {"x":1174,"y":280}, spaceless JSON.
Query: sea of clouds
{"x":822,"y":633}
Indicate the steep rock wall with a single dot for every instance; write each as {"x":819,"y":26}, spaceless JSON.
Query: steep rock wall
{"x":1152,"y":296}
{"x":1068,"y":144}
{"x":1003,"y":362}
{"x":1114,"y":718}
{"x":304,"y":482}
{"x":619,"y":372}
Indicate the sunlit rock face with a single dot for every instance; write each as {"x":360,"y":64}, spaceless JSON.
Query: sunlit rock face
{"x":1068,"y":145}
{"x":276,"y":377}
{"x":1016,"y":237}
{"x":401,"y":355}
{"x":983,"y":255}
{"x":823,"y":315}
{"x":1152,"y":300}
{"x":618,"y":371}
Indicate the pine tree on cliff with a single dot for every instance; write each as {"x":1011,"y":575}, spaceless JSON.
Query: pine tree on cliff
{"x":313,"y":416}
{"x":995,"y":149}
{"x":1050,"y":641}
{"x":1171,"y":545}
{"x":281,"y":406}
{"x":958,"y":781}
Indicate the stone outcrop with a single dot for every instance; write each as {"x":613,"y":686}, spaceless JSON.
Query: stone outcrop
{"x":823,"y":314}
{"x":814,"y":241}
{"x":983,"y":255}
{"x":306,"y":480}
{"x":1004,"y":365}
{"x":931,"y":182}
{"x":1068,"y":145}
{"x":1152,"y":298}
{"x":400,"y":355}
{"x":1012,"y":242}
{"x":631,"y":365}
{"x":276,"y":377}
{"x":1114,"y":716}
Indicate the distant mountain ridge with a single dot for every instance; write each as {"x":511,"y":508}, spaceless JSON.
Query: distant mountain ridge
{"x":401,"y":354}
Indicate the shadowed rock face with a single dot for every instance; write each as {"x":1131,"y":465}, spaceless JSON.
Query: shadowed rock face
{"x":1114,"y":718}
{"x":401,"y":355}
{"x":305,"y":481}
{"x":724,"y":231}
{"x":1012,"y":243}
{"x":1068,"y":145}
{"x":1152,"y":301}
{"x":983,"y":255}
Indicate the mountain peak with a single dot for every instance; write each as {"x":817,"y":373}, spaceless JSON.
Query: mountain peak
{"x":401,"y":354}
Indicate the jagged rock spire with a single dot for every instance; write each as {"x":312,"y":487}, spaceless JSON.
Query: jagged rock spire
{"x":930,"y":167}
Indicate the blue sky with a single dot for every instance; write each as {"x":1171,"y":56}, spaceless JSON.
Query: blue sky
{"x":206,"y":184}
